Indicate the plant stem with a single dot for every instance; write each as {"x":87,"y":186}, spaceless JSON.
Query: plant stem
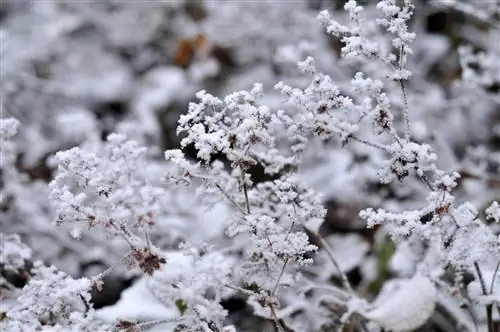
{"x":406,"y":115}
{"x":345,"y":281}
{"x":489,"y":307}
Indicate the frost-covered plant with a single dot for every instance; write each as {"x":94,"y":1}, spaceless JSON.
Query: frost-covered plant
{"x":259,"y":234}
{"x":50,"y":301}
{"x":118,"y":198}
{"x":116,"y":187}
{"x":325,"y":111}
{"x":270,"y":244}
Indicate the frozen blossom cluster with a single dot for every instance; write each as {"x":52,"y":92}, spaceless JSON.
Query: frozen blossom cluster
{"x":348,"y":179}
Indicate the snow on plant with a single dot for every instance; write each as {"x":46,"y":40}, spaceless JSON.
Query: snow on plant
{"x":241,"y":130}
{"x":343,"y":117}
{"x":50,"y":301}
{"x":110,"y":191}
{"x":14,"y":253}
{"x":327,"y":112}
{"x":15,"y":257}
{"x":266,"y":245}
{"x":184,"y":294}
{"x":27,"y":211}
{"x":195,"y":282}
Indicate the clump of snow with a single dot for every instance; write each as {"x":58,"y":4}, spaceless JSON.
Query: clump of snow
{"x":404,"y":305}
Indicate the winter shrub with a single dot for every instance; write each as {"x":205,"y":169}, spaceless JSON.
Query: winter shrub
{"x":240,"y":211}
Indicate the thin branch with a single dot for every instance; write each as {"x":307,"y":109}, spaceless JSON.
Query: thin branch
{"x":481,"y":279}
{"x":230,"y":199}
{"x":280,"y":276}
{"x":373,"y":145}
{"x":489,"y":307}
{"x":112,"y":266}
{"x":427,"y":182}
{"x":406,"y":115}
{"x":331,"y":256}
{"x":150,"y":324}
{"x":291,"y":226}
{"x":276,"y":321}
{"x":123,"y":232}
{"x":395,"y":136}
{"x":245,"y":191}
{"x":345,"y":281}
{"x":492,"y":284}
{"x":148,"y":240}
{"x":239,"y":289}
